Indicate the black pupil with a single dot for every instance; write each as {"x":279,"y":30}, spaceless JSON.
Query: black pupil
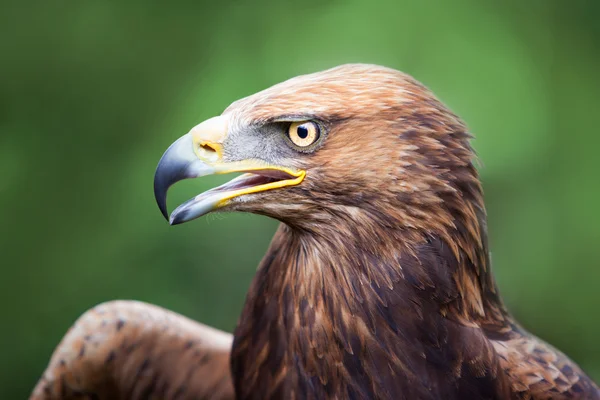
{"x":302,"y":132}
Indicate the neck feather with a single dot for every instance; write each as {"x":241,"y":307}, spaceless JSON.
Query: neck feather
{"x":318,"y":298}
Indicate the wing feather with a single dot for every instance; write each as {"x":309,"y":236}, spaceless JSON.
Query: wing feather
{"x":134,"y":350}
{"x":538,"y":371}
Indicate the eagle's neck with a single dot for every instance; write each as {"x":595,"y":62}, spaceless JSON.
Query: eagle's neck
{"x":318,"y":301}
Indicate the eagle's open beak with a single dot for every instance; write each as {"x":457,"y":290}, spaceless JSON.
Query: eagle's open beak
{"x":200,"y":153}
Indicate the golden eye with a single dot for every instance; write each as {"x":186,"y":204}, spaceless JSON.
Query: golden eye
{"x":304,"y":133}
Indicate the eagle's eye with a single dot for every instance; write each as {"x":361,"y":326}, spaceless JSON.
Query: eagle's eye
{"x":304,"y":133}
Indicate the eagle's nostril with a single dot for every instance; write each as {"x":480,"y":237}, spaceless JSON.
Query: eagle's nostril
{"x":208,"y":148}
{"x":208,"y":151}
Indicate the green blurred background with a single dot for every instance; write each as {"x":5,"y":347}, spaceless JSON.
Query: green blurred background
{"x":93,"y":92}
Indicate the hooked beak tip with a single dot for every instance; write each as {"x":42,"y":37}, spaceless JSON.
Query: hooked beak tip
{"x":161,"y":201}
{"x":177,"y":163}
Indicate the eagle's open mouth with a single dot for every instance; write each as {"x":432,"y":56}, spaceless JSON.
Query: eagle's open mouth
{"x":259,"y":180}
{"x":255,"y":179}
{"x":252,"y":182}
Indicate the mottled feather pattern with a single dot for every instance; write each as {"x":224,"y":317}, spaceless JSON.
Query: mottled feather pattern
{"x":132,"y":350}
{"x":377,"y":284}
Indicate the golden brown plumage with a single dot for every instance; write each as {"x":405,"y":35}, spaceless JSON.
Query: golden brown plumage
{"x":377,"y":283}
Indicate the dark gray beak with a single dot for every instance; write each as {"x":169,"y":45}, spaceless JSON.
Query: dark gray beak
{"x":179,"y":162}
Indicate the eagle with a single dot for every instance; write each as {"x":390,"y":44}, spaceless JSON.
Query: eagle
{"x":376,"y":285}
